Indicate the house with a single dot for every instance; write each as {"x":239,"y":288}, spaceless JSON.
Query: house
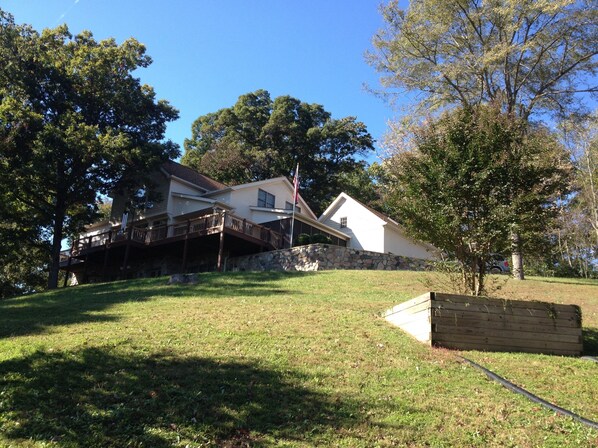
{"x":196,"y":225}
{"x":371,"y":230}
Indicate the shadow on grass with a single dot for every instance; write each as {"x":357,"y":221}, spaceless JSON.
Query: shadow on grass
{"x":590,"y":341}
{"x":90,"y":303}
{"x":96,"y":398}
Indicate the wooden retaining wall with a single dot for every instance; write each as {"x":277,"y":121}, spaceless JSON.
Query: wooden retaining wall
{"x":472,"y":323}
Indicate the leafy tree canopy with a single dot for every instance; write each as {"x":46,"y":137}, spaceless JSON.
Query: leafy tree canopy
{"x":74,"y":124}
{"x":469,"y":177}
{"x":528,"y":56}
{"x":259,"y":138}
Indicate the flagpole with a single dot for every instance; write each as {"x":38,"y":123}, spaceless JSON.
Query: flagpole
{"x":292,"y":226}
{"x":295,"y":199}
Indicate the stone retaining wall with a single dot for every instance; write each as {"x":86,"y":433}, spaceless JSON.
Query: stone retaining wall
{"x":319,"y":257}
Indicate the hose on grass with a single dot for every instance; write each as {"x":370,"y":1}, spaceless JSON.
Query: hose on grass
{"x":590,"y":358}
{"x":512,"y":387}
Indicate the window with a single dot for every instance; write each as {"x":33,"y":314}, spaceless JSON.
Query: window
{"x":343,"y":222}
{"x":289,"y":206}
{"x":265,"y":199}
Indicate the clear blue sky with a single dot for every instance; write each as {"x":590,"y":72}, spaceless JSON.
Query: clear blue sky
{"x":208,"y":52}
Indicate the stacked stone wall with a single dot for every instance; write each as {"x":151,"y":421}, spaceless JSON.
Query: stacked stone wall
{"x":321,"y":257}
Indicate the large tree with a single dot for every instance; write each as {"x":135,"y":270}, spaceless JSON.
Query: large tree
{"x":259,"y":138}
{"x":531,"y":57}
{"x":453,"y":188}
{"x":74,"y":124}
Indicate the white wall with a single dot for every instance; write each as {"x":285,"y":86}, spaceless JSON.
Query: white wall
{"x":182,"y":206}
{"x":244,"y":198}
{"x":365,"y":229}
{"x":399,"y":244}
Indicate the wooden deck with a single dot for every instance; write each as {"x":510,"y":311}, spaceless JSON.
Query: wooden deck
{"x":206,"y":225}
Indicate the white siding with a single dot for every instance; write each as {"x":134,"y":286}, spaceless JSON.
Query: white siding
{"x":399,"y":244}
{"x":370,"y":232}
{"x":243,"y":199}
{"x":181,"y":206}
{"x":365,"y":228}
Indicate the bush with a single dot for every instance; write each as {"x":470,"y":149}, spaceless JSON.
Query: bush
{"x":302,"y":239}
{"x":319,"y":238}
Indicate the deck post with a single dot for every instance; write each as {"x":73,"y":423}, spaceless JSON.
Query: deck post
{"x":68,"y":267}
{"x":185,"y":247}
{"x":221,"y":245}
{"x":106,"y":250}
{"x":127,"y":250}
{"x":84,"y":279}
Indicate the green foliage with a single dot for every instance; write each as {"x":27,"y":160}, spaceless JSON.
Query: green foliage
{"x":23,"y":261}
{"x":259,"y":138}
{"x":302,"y":239}
{"x":319,"y":238}
{"x":471,"y":177}
{"x":74,"y":124}
{"x":528,"y":56}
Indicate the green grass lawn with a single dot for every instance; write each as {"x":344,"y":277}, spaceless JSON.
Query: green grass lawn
{"x":273,"y":359}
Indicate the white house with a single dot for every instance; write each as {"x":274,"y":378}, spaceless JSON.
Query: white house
{"x":198,"y":223}
{"x":370,"y":230}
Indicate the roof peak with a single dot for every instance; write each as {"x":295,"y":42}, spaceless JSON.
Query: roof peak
{"x":192,"y":176}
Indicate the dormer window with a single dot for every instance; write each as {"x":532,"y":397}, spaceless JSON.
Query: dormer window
{"x":265,"y":199}
{"x":343,"y":222}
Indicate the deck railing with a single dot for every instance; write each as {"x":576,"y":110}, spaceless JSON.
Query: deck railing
{"x":204,"y":225}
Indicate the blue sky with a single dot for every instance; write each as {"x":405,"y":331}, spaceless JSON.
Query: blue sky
{"x":208,"y":52}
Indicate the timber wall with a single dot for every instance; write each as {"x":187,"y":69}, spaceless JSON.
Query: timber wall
{"x":472,"y":323}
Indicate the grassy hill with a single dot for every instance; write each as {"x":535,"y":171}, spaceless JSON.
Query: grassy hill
{"x":273,"y":359}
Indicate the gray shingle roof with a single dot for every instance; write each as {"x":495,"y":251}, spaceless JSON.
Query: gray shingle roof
{"x":192,"y":176}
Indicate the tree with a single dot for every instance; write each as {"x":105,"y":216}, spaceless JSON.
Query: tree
{"x":531,"y":57}
{"x":74,"y":124}
{"x":260,"y":138}
{"x":24,"y":255}
{"x":453,"y":187}
{"x":584,"y":141}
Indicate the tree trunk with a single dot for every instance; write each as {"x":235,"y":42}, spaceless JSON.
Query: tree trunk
{"x":517,"y":257}
{"x":56,"y":246}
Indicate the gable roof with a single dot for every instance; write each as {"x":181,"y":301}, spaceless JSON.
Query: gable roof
{"x":175,"y":169}
{"x":263,"y":183}
{"x":393,"y":224}
{"x":337,"y":202}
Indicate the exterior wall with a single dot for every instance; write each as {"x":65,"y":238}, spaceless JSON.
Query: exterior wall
{"x":163,"y":189}
{"x":260,"y":217}
{"x":182,"y":206}
{"x":118,"y":208}
{"x":243,"y":199}
{"x":160,"y":207}
{"x":179,"y":206}
{"x":365,"y":229}
{"x":177,"y":186}
{"x":318,"y":257}
{"x":397,"y":243}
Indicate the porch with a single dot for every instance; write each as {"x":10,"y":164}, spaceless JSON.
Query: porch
{"x":209,"y":238}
